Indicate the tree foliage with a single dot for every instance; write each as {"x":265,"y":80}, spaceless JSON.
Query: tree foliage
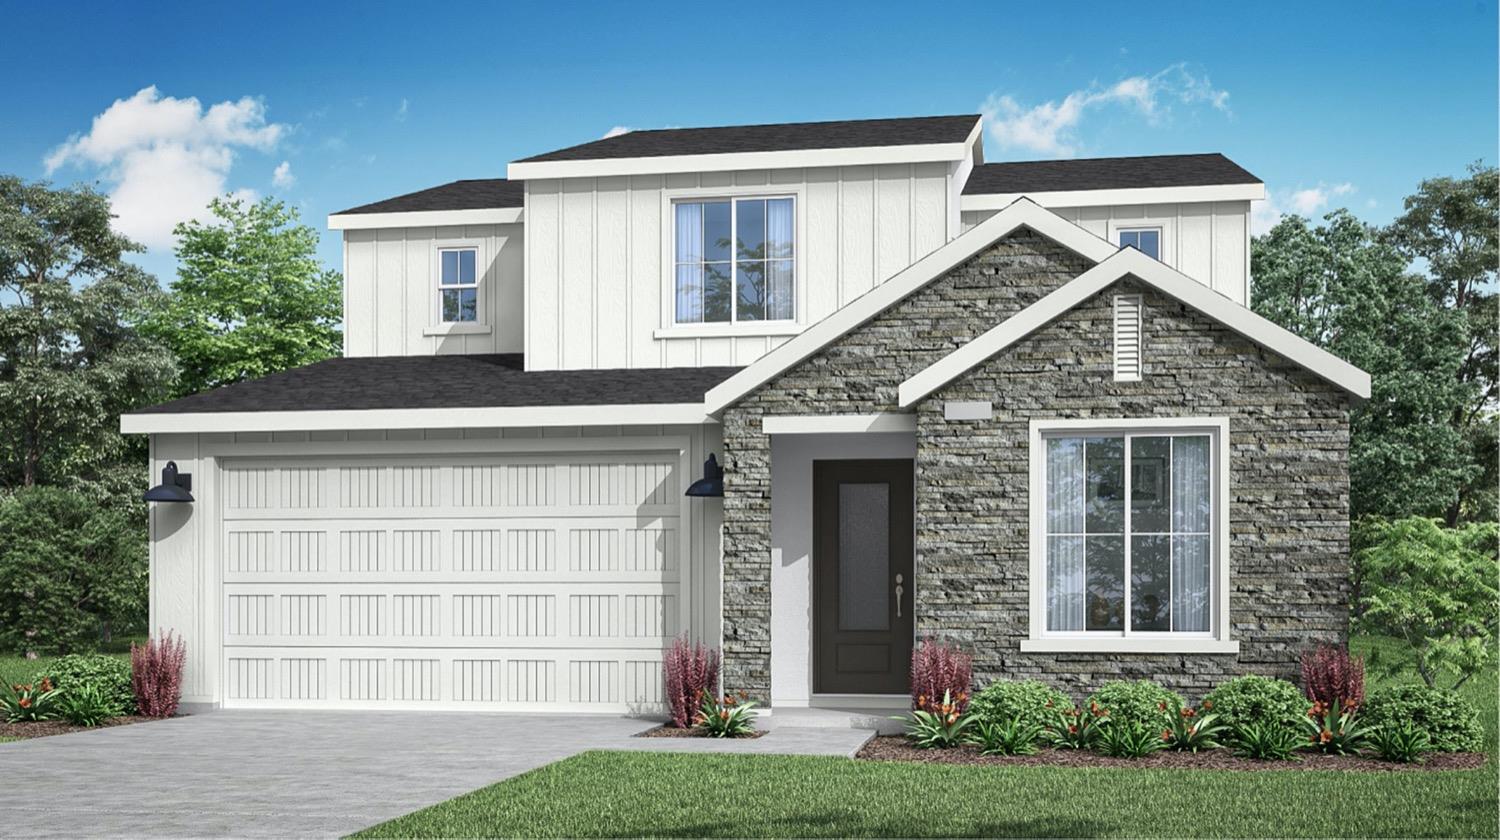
{"x":250,"y":297}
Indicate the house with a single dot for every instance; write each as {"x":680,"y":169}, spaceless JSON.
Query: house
{"x":1021,"y":406}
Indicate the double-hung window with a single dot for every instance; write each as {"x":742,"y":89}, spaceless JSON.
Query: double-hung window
{"x":458,"y":285}
{"x":1130,"y":544}
{"x":1145,"y":240}
{"x":734,"y":260}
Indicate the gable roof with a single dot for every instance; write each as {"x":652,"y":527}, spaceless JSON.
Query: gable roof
{"x":1021,"y":212}
{"x":1107,"y":174}
{"x":473,"y":194}
{"x":774,"y":137}
{"x":1132,"y":263}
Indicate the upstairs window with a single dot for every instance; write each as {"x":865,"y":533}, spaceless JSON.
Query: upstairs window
{"x":1145,"y":240}
{"x":458,"y":285}
{"x":734,"y":260}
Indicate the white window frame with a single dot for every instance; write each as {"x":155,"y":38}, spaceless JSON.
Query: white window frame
{"x":670,"y":328}
{"x":1109,"y":641}
{"x":1131,"y":227}
{"x":436,"y":325}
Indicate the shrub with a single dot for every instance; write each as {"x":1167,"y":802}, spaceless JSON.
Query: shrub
{"x":108,"y":675}
{"x":1131,"y":740}
{"x":1031,"y":701}
{"x":86,"y":705}
{"x":691,"y":670}
{"x":725,"y":718}
{"x":1016,"y":736}
{"x":940,"y":670}
{"x":1194,"y":729}
{"x":1332,"y":677}
{"x":1141,"y":702}
{"x":1403,"y":742}
{"x":1451,"y":724}
{"x":1336,"y":730}
{"x":938,"y":728}
{"x":31,"y":701}
{"x":1259,"y":700}
{"x":156,"y":675}
{"x":1072,"y":729}
{"x":1267,"y":741}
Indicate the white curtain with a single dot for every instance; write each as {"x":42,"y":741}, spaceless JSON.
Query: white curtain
{"x":1192,"y":517}
{"x":689,"y":258}
{"x":780,"y":284}
{"x":1065,"y":516}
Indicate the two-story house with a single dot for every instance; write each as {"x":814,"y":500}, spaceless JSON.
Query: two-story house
{"x":1020,"y":406}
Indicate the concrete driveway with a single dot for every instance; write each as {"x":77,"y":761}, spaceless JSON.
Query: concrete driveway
{"x":275,"y":774}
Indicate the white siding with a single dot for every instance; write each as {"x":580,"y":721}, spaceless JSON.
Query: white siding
{"x":390,"y":290}
{"x":1207,"y":241}
{"x":597,"y":284}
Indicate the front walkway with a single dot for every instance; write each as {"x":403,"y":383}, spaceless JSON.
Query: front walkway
{"x":305,"y":774}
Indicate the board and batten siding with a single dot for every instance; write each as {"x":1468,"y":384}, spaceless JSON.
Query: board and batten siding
{"x":1207,"y":241}
{"x":597,"y":293}
{"x":390,"y":299}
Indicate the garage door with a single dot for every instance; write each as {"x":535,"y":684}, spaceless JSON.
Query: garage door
{"x":493,"y":581}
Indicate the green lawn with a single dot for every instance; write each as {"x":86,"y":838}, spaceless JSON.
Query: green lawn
{"x":605,"y":794}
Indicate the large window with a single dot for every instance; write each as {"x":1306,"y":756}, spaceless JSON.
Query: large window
{"x":734,"y":260}
{"x":1130,"y":532}
{"x":458,"y":285}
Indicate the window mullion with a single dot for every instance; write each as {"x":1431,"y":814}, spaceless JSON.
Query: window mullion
{"x":734,"y":262}
{"x":1171,"y":535}
{"x":1125,"y":620}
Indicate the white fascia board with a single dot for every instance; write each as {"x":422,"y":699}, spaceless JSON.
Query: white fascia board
{"x":828,"y":424}
{"x":1130,"y":262}
{"x":417,"y":418}
{"x":1099,"y":198}
{"x":1137,"y":643}
{"x":1021,"y":213}
{"x":426,"y":218}
{"x":799,"y":159}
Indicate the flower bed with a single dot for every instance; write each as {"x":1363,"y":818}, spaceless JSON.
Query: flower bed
{"x":899,"y":748}
{"x":669,"y":731}
{"x":42,"y":728}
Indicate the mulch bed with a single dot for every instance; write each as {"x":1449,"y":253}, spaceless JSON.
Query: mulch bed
{"x":43,"y":728}
{"x":665,"y":731}
{"x":898,"y":748}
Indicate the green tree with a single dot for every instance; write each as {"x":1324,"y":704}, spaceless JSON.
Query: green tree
{"x":250,"y":297}
{"x":68,"y":568}
{"x":71,"y":356}
{"x":1343,"y":286}
{"x":1433,"y":587}
{"x":1452,"y":226}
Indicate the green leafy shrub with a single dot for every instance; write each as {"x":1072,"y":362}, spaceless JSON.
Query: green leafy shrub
{"x":1141,"y":702}
{"x":86,"y":706}
{"x":109,"y":676}
{"x":1074,"y":729}
{"x":1336,"y":730}
{"x":1195,"y":729}
{"x":725,"y":718}
{"x":1016,"y":736}
{"x":1259,"y":700}
{"x":1131,"y":740}
{"x":1268,"y":741}
{"x":1403,"y":742}
{"x":939,"y":727}
{"x":30,"y":701}
{"x":1032,"y":701}
{"x":1451,"y":723}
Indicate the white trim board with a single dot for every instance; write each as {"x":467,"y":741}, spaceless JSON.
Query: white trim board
{"x":416,"y":418}
{"x":1132,"y":263}
{"x":1128,"y":195}
{"x":823,"y":424}
{"x":426,"y":218}
{"x":924,"y":271}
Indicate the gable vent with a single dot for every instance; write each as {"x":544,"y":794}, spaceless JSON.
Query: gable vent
{"x":1127,"y":338}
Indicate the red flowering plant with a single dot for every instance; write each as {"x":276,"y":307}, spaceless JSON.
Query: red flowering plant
{"x":1193,"y":729}
{"x":726,"y":717}
{"x":938,"y":726}
{"x":1077,"y":729}
{"x":691,"y":670}
{"x":31,"y":701}
{"x":1332,"y":677}
{"x":156,"y":675}
{"x":1336,"y":729}
{"x":940,"y":673}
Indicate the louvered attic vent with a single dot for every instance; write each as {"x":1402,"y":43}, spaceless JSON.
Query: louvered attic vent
{"x":1127,"y":338}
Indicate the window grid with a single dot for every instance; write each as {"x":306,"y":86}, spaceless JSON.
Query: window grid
{"x":734,"y":261}
{"x":1137,"y":238}
{"x":454,"y":286}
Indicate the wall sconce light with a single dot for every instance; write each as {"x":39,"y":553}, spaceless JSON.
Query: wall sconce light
{"x":712,"y":482}
{"x":174,"y":486}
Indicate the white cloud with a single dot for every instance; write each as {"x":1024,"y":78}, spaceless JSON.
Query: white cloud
{"x":283,"y":177}
{"x":1302,"y":201}
{"x":1051,"y":127}
{"x":401,"y":111}
{"x":166,"y":157}
{"x":617,"y":131}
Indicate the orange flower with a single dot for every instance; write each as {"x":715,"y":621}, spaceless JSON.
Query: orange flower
{"x":46,"y":683}
{"x":1208,"y":704}
{"x":24,"y":702}
{"x":952,"y":719}
{"x":1049,"y":704}
{"x":1326,"y":736}
{"x":1161,"y":706}
{"x":723,"y":714}
{"x":1187,"y":713}
{"x":1166,"y":735}
{"x":1072,"y":730}
{"x":921,"y":700}
{"x":1350,"y":705}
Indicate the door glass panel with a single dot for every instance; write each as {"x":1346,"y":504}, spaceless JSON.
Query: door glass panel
{"x":865,"y":583}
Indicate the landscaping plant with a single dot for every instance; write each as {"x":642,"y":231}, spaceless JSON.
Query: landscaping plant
{"x":1017,"y":736}
{"x":86,"y":705}
{"x":1403,"y":742}
{"x":1451,"y":724}
{"x":940,"y":670}
{"x":31,"y":701}
{"x":1332,"y":677}
{"x":1259,"y":700}
{"x":108,"y":675}
{"x":1336,"y":730}
{"x":726,"y":717}
{"x":1267,"y":741}
{"x":1075,"y":729}
{"x":156,"y":675}
{"x":1033,"y":701}
{"x":1131,"y":740}
{"x":1194,"y":729}
{"x":691,"y":670}
{"x":940,"y":727}
{"x":1141,"y":701}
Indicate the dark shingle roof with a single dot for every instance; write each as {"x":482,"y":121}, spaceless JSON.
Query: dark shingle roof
{"x":475,"y":381}
{"x":477,"y":194}
{"x":1107,"y":174}
{"x":780,"y":137}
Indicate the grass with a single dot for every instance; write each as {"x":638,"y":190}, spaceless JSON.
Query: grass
{"x":608,"y":794}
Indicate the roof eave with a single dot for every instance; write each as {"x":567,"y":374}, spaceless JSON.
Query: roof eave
{"x":427,"y":218}
{"x":787,"y":159}
{"x":635,"y":414}
{"x":1126,"y":195}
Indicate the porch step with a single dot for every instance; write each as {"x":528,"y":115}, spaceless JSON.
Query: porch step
{"x":873,"y":717}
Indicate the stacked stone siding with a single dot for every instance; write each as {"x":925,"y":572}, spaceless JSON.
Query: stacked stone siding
{"x":1289,"y":434}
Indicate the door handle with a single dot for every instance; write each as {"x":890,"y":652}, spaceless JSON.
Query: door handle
{"x":899,"y":591}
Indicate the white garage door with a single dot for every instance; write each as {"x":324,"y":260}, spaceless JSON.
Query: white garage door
{"x":490,"y":581}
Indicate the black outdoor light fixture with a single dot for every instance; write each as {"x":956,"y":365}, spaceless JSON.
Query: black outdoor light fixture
{"x":712,"y":482}
{"x":174,"y":486}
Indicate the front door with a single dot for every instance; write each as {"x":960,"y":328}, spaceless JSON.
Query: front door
{"x":862,"y":576}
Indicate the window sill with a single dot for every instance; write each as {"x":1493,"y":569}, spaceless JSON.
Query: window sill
{"x":461,"y":328}
{"x":1131,"y":645}
{"x":728,"y":330}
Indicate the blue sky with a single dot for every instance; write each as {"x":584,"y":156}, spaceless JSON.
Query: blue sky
{"x":1332,"y":105}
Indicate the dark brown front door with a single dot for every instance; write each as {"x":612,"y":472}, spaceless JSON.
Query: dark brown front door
{"x":862,"y":576}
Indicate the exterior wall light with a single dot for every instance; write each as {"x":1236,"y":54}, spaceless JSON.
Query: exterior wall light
{"x":174,"y":486}
{"x":712,"y":483}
